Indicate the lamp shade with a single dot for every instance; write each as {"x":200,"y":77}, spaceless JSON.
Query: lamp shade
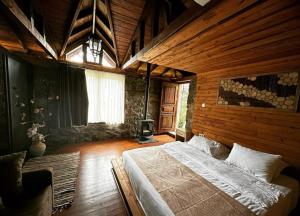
{"x":95,"y":46}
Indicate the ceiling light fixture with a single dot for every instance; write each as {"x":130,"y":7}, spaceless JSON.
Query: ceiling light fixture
{"x":95,"y":46}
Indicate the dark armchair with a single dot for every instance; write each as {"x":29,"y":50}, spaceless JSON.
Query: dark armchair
{"x":36,"y":198}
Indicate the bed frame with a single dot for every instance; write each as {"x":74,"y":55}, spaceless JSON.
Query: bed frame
{"x":131,"y":203}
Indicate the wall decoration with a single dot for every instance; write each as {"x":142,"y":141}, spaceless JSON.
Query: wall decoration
{"x":280,"y":91}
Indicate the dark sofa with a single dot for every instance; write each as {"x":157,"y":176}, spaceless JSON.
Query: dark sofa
{"x":35,"y":197}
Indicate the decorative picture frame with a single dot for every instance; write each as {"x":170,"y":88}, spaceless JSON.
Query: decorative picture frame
{"x":278,"y":91}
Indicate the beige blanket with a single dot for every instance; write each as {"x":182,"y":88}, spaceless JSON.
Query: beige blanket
{"x":185,"y":192}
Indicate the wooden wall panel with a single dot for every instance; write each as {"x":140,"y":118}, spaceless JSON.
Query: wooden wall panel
{"x":268,"y":130}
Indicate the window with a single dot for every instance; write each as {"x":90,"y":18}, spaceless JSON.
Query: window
{"x":76,"y":55}
{"x":106,"y":93}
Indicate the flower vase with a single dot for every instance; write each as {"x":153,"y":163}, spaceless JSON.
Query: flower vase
{"x":37,"y":149}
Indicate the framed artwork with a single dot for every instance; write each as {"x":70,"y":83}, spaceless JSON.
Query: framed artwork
{"x":279,"y":91}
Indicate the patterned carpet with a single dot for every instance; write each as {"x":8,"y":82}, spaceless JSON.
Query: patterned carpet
{"x":65,"y":172}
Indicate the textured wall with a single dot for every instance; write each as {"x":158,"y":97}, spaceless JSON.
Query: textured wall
{"x":190,"y":104}
{"x":264,"y":129}
{"x":134,"y":102}
{"x":3,"y":114}
{"x":134,"y":106}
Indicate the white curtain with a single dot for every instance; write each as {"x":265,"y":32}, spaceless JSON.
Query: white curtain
{"x":106,"y":93}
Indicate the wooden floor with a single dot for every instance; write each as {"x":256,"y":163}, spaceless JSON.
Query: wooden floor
{"x":97,"y":193}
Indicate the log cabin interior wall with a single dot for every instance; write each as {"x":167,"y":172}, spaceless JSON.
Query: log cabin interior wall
{"x":233,"y":39}
{"x":272,"y":48}
{"x":269,"y":44}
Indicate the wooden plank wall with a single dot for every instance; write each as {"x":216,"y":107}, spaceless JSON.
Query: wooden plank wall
{"x":269,"y":130}
{"x":273,"y":131}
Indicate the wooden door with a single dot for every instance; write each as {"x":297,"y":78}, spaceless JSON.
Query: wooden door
{"x":168,"y":107}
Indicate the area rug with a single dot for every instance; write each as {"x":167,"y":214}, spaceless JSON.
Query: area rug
{"x":65,"y":172}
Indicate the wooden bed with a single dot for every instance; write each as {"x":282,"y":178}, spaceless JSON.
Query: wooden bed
{"x":128,"y":196}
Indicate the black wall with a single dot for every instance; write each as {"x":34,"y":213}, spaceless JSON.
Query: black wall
{"x":15,"y":77}
{"x":4,"y":143}
{"x":19,"y":73}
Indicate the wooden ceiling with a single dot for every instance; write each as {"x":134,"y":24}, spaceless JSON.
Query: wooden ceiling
{"x":125,"y":16}
{"x":231,"y":33}
{"x":158,"y":71}
{"x":50,"y":29}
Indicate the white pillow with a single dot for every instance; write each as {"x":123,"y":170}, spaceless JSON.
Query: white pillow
{"x":260,"y":164}
{"x":208,"y":146}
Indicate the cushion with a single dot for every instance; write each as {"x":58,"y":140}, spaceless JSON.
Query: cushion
{"x":209,"y":146}
{"x":11,"y":173}
{"x":262,"y":165}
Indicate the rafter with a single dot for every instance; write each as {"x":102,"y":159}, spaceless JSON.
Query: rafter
{"x":19,"y":17}
{"x":80,"y":34}
{"x":102,"y":8}
{"x":166,"y":70}
{"x":77,"y":10}
{"x":141,"y":64}
{"x":81,"y":28}
{"x":83,"y":20}
{"x":107,"y":3}
{"x":101,"y":36}
{"x":104,"y":27}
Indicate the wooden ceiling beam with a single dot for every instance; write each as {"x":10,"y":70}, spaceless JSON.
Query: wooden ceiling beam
{"x":19,"y":17}
{"x":102,"y":8}
{"x":104,"y":27}
{"x":83,"y":20}
{"x":98,"y":33}
{"x":140,"y":64}
{"x":81,"y":28}
{"x":153,"y":67}
{"x":166,"y":70}
{"x":77,"y":10}
{"x":111,"y":26}
{"x":94,"y":66}
{"x":80,"y":34}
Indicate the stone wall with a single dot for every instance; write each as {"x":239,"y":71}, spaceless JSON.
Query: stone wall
{"x":134,"y":102}
{"x":134,"y":108}
{"x":190,"y":104}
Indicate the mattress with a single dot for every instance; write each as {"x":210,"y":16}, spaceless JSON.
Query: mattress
{"x":262,"y":198}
